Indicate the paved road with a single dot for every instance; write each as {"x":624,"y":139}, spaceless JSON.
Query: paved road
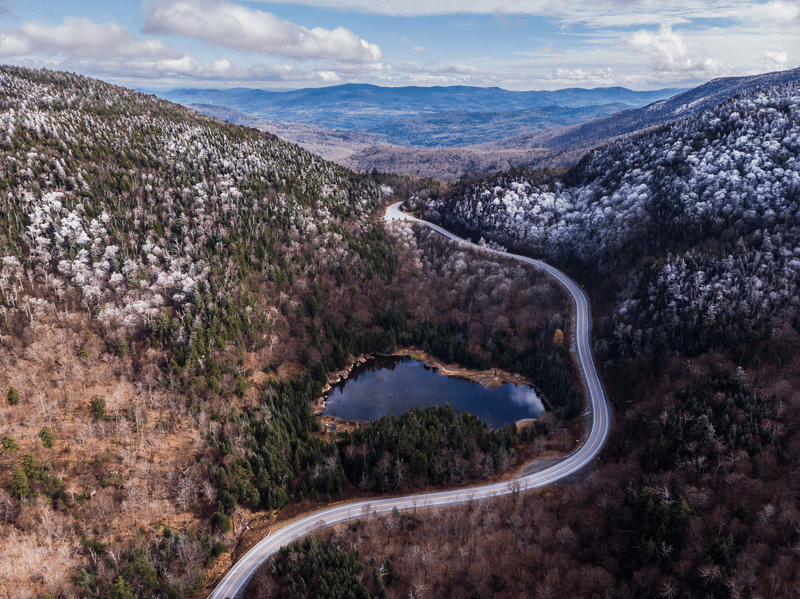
{"x":245,"y":568}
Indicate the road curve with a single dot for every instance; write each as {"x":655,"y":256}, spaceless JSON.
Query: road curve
{"x":237,"y":577}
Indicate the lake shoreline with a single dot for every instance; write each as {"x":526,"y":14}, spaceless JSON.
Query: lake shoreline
{"x":491,"y":378}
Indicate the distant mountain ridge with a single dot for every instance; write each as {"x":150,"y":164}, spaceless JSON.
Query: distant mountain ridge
{"x":377,"y":104}
{"x":560,"y":147}
{"x":685,"y":104}
{"x":466,"y":137}
{"x":360,"y":106}
{"x":330,"y":144}
{"x":413,"y":117}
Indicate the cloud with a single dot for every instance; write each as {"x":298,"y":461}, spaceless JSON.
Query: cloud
{"x":417,"y":49}
{"x":526,"y":397}
{"x":191,"y":71}
{"x":81,"y":38}
{"x":778,"y":58}
{"x":111,"y":51}
{"x":433,"y":72}
{"x":255,"y":31}
{"x":572,"y":77}
{"x":504,"y":21}
{"x":668,"y":52}
{"x":779,"y":13}
{"x":596,"y":13}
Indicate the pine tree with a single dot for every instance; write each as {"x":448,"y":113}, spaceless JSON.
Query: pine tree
{"x":9,"y":444}
{"x":47,"y":437}
{"x":19,"y":483}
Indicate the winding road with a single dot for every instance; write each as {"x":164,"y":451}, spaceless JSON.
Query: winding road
{"x":237,"y":577}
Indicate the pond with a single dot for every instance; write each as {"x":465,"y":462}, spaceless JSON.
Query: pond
{"x":391,"y":385}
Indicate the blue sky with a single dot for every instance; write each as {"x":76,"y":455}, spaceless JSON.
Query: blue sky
{"x":514,"y":44}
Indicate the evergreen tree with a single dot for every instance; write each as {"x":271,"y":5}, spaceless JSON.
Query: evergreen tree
{"x":47,"y":437}
{"x":9,"y":444}
{"x":19,"y":483}
{"x":13,"y":396}
{"x":120,"y":589}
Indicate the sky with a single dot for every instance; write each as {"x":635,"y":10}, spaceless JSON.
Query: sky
{"x":513,"y":44}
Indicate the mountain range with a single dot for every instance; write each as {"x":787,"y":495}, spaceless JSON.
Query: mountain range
{"x":452,"y":132}
{"x":176,"y":292}
{"x":358,"y":107}
{"x":340,"y":121}
{"x":556,"y":147}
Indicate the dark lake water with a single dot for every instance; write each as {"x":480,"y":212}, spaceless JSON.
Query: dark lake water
{"x":391,"y":385}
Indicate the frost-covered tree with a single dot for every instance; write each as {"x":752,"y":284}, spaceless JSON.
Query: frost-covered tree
{"x":727,"y":171}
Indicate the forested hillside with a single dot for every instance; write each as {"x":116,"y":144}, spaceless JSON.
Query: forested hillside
{"x":153,"y":258}
{"x":728,"y":171}
{"x":688,"y":241}
{"x":728,"y":177}
{"x":175,"y":292}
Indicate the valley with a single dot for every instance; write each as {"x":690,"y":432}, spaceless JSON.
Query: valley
{"x":435,"y":133}
{"x":176,"y":291}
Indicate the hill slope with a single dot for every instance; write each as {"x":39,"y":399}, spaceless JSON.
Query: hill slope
{"x":152,"y":261}
{"x":734,"y":166}
{"x":688,"y":238}
{"x":175,"y":294}
{"x":557,"y":147}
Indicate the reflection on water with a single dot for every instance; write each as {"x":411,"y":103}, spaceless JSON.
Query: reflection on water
{"x":526,"y":396}
{"x":392,"y":385}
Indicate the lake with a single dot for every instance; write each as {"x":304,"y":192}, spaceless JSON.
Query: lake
{"x":392,"y":384}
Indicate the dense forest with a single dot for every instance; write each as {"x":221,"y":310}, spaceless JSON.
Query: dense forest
{"x":721,"y":174}
{"x":175,"y":292}
{"x":687,"y":238}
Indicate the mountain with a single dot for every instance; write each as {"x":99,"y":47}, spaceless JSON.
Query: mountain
{"x":733,"y":166}
{"x":449,"y":129}
{"x":176,"y":293}
{"x":464,"y":128}
{"x":687,"y":238}
{"x":155,"y":265}
{"x":556,"y":147}
{"x":329,"y":144}
{"x":393,"y":118}
{"x":358,"y":107}
{"x":687,"y":103}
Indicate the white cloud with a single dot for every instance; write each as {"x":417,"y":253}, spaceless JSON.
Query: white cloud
{"x":436,"y":73}
{"x":779,"y":13}
{"x":193,"y":71}
{"x":111,"y":51}
{"x":778,"y":58}
{"x":573,"y":77}
{"x":13,"y":44}
{"x":669,"y":54}
{"x":417,"y":49}
{"x":255,"y":31}
{"x":79,"y":37}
